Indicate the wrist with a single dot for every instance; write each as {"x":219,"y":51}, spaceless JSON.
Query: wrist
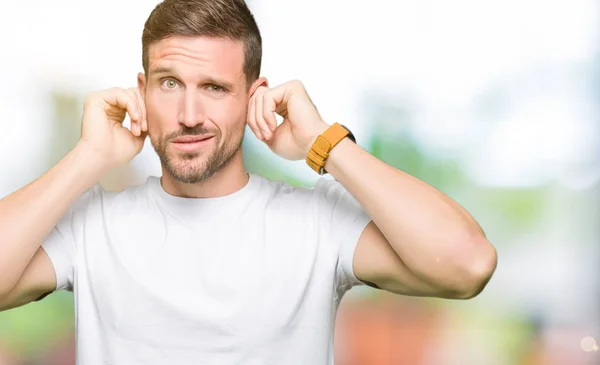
{"x":324,"y":143}
{"x":320,"y":129}
{"x":338,"y":155}
{"x":90,"y":161}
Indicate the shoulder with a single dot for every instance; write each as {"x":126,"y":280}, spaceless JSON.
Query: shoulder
{"x":276,"y":188}
{"x":321,"y":191}
{"x":98,"y":197}
{"x":134,"y":192}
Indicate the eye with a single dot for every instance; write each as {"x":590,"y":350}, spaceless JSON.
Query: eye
{"x":170,"y":84}
{"x":216,"y":88}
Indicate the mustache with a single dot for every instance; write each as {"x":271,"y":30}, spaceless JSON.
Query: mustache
{"x":190,"y":131}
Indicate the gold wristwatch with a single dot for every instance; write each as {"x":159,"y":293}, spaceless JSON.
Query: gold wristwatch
{"x":319,"y":152}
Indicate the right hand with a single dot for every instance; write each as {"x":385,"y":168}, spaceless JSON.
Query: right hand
{"x":102,"y":126}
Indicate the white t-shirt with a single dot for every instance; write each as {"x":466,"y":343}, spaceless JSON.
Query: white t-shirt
{"x":254,"y":277}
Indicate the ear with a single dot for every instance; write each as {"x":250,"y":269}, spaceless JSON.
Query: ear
{"x":141,"y":83}
{"x":261,"y":81}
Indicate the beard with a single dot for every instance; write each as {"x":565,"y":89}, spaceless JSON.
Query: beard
{"x":196,"y":167}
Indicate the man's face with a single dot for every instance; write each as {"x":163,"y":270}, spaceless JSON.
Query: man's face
{"x":196,"y":103}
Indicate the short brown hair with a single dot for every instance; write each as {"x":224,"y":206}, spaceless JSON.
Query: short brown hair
{"x":206,"y":18}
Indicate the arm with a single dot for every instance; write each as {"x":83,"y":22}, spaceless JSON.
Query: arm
{"x":420,"y":242}
{"x":29,"y":215}
{"x":37,"y":280}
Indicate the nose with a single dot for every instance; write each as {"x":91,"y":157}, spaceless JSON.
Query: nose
{"x":191,"y":111}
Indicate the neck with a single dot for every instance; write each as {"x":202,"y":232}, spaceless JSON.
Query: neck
{"x":228,"y":180}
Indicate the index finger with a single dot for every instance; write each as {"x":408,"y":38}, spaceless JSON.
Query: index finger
{"x":120,"y":98}
{"x":142,"y":106}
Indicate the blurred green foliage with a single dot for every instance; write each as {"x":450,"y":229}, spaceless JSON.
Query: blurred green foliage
{"x":30,"y":329}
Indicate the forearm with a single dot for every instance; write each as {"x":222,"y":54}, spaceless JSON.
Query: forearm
{"x":28,"y":215}
{"x":433,"y":235}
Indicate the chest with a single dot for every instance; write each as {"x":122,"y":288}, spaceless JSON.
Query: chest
{"x":226,"y":281}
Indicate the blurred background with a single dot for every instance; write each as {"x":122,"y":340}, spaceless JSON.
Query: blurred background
{"x":496,"y":103}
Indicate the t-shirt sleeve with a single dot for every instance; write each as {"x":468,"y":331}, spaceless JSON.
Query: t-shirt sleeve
{"x":342,"y":222}
{"x":61,"y":243}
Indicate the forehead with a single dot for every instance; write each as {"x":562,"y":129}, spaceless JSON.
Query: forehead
{"x":217,"y":56}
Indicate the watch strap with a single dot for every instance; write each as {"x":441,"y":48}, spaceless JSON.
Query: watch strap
{"x":319,"y":152}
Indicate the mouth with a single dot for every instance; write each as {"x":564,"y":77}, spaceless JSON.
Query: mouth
{"x":191,"y":143}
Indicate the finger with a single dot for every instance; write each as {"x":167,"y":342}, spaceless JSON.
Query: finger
{"x":136,"y":124}
{"x":142,"y":105}
{"x":282,"y":93}
{"x":269,"y":107}
{"x":252,"y":117}
{"x":260,"y":119}
{"x":119,"y":98}
{"x":112,"y":101}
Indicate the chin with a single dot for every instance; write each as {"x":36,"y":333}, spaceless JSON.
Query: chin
{"x":189,"y":177}
{"x":189,"y":172}
{"x":197,"y":167}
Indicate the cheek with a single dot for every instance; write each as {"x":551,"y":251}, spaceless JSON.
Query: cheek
{"x":161,"y":113}
{"x":228,"y":115}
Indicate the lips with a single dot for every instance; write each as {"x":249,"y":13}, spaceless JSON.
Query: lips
{"x":192,"y":144}
{"x":191,"y":139}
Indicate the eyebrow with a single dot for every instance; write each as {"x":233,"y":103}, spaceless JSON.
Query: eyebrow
{"x":161,"y":70}
{"x":212,"y":80}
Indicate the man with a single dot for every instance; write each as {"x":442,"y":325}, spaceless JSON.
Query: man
{"x":208,"y":264}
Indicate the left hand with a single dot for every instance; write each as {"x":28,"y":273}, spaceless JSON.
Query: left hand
{"x":301,"y":125}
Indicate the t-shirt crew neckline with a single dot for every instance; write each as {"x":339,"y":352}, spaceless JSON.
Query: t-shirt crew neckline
{"x":189,"y":205}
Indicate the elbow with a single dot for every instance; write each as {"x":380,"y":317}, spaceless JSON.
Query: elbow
{"x":5,"y":292}
{"x":478,"y":271}
{"x":4,"y":300}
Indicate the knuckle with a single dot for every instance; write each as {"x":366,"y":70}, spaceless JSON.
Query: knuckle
{"x":116,"y":90}
{"x":88,"y":99}
{"x":121,"y":92}
{"x":92,"y":98}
